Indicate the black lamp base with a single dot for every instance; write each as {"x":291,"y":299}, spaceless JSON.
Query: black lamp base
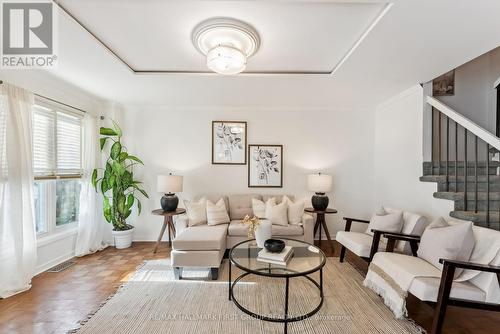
{"x":169,"y":202}
{"x":320,"y":201}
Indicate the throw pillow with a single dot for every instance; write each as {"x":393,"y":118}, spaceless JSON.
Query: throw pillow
{"x":277,"y":213}
{"x":259,"y":207}
{"x":217,"y":213}
{"x":295,"y":210}
{"x":391,"y":222}
{"x":196,"y":211}
{"x":441,"y":240}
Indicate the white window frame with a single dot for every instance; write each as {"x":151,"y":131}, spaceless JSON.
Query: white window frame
{"x":49,"y":214}
{"x":51,"y":230}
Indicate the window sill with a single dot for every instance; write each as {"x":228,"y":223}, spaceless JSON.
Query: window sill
{"x":43,"y":240}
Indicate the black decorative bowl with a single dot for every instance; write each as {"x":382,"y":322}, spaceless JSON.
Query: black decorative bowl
{"x":274,"y":245}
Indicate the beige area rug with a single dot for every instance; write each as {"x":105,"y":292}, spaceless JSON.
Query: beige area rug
{"x":153,"y":302}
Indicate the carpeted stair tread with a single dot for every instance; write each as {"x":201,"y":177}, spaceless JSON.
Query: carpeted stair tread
{"x":460,"y":179}
{"x":479,"y":218}
{"x":471,"y":195}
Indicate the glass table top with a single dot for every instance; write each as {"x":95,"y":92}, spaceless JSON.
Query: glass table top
{"x":305,"y":260}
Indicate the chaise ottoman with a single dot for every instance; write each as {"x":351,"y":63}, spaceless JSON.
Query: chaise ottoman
{"x":199,"y":246}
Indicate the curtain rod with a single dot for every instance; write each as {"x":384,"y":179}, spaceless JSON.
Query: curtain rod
{"x":48,"y":98}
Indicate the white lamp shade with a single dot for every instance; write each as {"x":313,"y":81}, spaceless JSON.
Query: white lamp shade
{"x":319,"y":183}
{"x":169,"y":183}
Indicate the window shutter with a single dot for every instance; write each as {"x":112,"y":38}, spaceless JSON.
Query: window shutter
{"x":69,"y":144}
{"x":44,"y":149}
{"x":57,"y":141}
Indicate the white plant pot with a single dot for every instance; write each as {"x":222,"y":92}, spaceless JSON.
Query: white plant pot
{"x":263,"y":232}
{"x":123,"y":239}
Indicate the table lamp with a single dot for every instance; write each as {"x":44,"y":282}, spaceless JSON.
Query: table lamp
{"x":169,"y":185}
{"x":320,"y":184}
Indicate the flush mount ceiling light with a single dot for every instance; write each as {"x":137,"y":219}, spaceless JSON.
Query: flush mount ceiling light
{"x":227,"y":43}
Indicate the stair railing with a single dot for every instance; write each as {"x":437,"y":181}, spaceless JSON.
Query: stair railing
{"x":441,"y":112}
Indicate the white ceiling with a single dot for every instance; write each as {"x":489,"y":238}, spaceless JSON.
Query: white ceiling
{"x":413,"y":42}
{"x":295,"y":36}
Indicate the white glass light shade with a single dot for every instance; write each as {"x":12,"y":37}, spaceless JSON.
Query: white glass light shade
{"x":319,"y":183}
{"x":226,"y":60}
{"x":169,"y":183}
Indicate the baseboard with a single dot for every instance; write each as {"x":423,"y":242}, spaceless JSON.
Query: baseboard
{"x":60,"y":259}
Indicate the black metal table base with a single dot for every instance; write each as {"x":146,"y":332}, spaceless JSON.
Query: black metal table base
{"x":286,"y":319}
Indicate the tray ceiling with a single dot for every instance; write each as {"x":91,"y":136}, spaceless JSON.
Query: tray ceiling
{"x":297,"y":37}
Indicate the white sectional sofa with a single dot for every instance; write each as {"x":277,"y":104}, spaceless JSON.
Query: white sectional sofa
{"x":204,"y":245}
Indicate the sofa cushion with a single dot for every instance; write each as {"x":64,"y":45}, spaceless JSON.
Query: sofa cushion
{"x":279,"y":198}
{"x":214,"y":198}
{"x":391,"y":222}
{"x":277,"y":213}
{"x":295,"y":210}
{"x":202,"y":237}
{"x":217,"y":213}
{"x":259,"y":207}
{"x":413,"y":223}
{"x":426,"y":288}
{"x":357,"y":242}
{"x":288,"y":230}
{"x":196,"y":211}
{"x":241,"y":205}
{"x":443,"y":241}
{"x":238,"y":229}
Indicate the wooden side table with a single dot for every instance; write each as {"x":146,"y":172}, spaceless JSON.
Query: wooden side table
{"x":168,"y":221}
{"x":321,"y":222}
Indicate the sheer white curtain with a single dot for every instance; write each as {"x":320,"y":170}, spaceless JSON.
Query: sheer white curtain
{"x":91,"y":222}
{"x":17,"y":213}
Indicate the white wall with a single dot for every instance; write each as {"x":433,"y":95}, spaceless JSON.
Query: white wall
{"x":179,"y":140}
{"x":399,"y":157}
{"x":475,"y":96}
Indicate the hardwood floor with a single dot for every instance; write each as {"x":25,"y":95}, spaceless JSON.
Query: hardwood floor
{"x":57,"y":301}
{"x":458,"y":320}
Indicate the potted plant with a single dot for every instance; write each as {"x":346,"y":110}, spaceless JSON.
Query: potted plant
{"x":117,"y":185}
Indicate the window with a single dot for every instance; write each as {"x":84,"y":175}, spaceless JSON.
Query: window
{"x":57,"y":165}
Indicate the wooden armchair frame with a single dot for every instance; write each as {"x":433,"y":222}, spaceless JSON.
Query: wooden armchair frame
{"x":443,"y":299}
{"x":377,"y":234}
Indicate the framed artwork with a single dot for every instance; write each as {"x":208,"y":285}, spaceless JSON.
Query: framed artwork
{"x":444,"y":85}
{"x":265,"y":166}
{"x":229,"y":142}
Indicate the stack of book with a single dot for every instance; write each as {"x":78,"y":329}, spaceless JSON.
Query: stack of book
{"x":279,"y":259}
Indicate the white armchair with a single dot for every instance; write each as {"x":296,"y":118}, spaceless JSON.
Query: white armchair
{"x":365,"y":245}
{"x":476,"y":287}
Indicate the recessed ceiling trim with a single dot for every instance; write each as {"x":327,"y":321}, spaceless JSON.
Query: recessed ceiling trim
{"x":372,"y":25}
{"x":379,"y":16}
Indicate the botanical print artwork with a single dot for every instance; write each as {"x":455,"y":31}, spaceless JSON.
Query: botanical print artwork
{"x":229,"y":142}
{"x":265,"y":167}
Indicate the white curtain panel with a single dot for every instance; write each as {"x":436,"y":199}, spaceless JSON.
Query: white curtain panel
{"x":91,"y":222}
{"x":17,"y":213}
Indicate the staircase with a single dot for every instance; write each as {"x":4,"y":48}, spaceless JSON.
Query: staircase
{"x":465,"y":166}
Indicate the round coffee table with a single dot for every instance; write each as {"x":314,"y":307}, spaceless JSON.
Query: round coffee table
{"x":306,"y":260}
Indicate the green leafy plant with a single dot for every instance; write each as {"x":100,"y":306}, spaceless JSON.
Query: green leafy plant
{"x":116,"y":181}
